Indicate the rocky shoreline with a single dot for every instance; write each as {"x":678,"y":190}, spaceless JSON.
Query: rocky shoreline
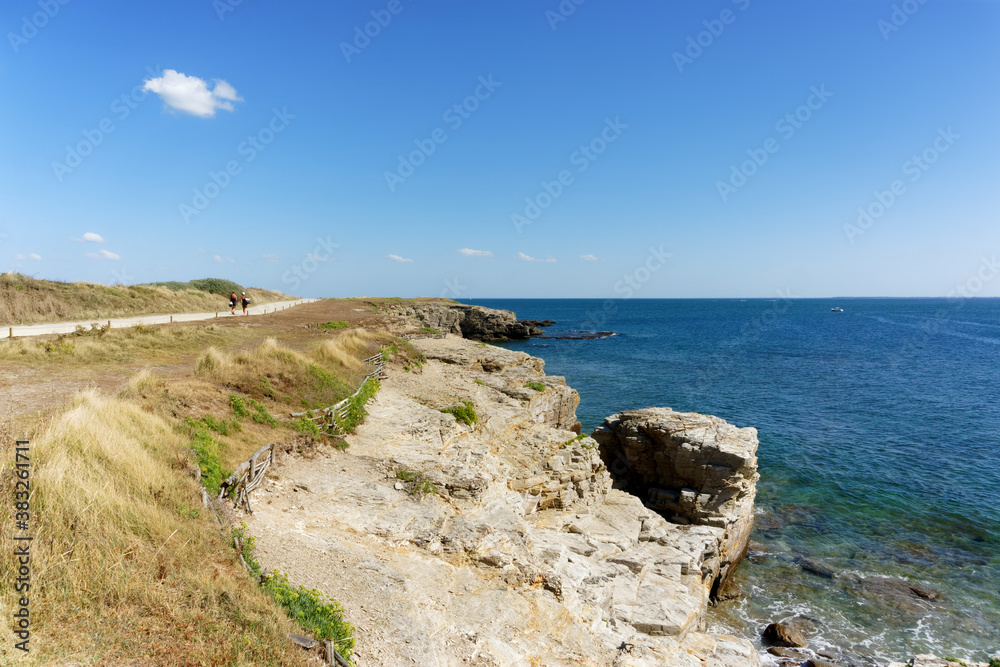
{"x":503,"y":541}
{"x":512,"y":539}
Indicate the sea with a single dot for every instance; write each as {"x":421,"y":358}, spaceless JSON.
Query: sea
{"x":879,"y":454}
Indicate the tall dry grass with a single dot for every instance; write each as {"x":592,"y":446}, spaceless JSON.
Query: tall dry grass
{"x":25,"y":300}
{"x":125,"y":562}
{"x":307,"y":380}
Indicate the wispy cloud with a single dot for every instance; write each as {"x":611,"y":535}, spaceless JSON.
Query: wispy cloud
{"x":271,"y":257}
{"x":31,"y":255}
{"x":590,"y":258}
{"x":220,"y":258}
{"x":469,"y":252}
{"x":189,"y":94}
{"x":103,"y":254}
{"x":397,"y":258}
{"x":90,"y":237}
{"x":528,"y":258}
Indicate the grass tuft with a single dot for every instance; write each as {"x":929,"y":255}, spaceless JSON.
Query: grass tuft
{"x":465,"y":413}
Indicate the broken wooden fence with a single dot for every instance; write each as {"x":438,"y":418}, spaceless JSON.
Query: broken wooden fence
{"x":247,"y":477}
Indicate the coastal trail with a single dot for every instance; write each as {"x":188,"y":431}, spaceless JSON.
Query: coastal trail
{"x":124,"y":322}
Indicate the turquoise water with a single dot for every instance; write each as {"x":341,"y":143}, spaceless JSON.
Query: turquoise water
{"x":879,"y":449}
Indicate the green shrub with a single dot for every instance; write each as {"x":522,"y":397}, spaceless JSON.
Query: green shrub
{"x":305,"y":425}
{"x":356,"y":412}
{"x":994,"y":662}
{"x":239,"y":406}
{"x":537,"y":386}
{"x":339,"y":324}
{"x":317,"y":613}
{"x":244,"y":544}
{"x":429,"y":330}
{"x":206,"y":449}
{"x":465,"y":413}
{"x":261,"y":415}
{"x":216,"y":286}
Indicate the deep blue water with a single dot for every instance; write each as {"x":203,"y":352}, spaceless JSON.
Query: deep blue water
{"x":879,"y":447}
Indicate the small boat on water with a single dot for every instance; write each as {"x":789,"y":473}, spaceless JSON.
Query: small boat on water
{"x":837,"y":309}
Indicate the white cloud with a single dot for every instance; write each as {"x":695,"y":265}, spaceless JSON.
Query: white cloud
{"x":469,"y":252}
{"x":397,"y":258}
{"x":31,"y":255}
{"x":103,"y":254}
{"x":590,"y":258}
{"x":271,"y":257}
{"x":191,"y":94}
{"x":220,"y":258}
{"x":528,"y":258}
{"x":93,"y":238}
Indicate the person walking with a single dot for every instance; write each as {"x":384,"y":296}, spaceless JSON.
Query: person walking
{"x":232,"y":303}
{"x":245,"y":300}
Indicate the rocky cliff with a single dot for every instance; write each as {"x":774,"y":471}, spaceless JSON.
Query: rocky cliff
{"x":500,"y":542}
{"x":473,"y":322}
{"x":694,"y":469}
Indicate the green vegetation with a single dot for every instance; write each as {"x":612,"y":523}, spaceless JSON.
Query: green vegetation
{"x":339,"y":324}
{"x":356,"y":411}
{"x":315,"y":612}
{"x":217,"y":286}
{"x":239,"y":406}
{"x":537,"y":386}
{"x":208,"y":421}
{"x":207,"y":450}
{"x":305,"y":425}
{"x":428,"y":330}
{"x":465,"y":413}
{"x":318,"y":614}
{"x":481,"y":383}
{"x":419,"y":484}
{"x":994,"y":662}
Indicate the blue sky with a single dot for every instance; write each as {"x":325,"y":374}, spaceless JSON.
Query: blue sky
{"x":644,"y":124}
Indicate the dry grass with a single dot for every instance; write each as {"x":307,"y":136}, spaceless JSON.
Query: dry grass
{"x":118,"y":345}
{"x":25,"y":300}
{"x":272,"y":371}
{"x":125,"y":562}
{"x":349,"y":349}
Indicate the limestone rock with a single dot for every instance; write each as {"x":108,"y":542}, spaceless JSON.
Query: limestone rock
{"x":778,"y":634}
{"x":694,"y":469}
{"x":522,"y":554}
{"x":473,"y":322}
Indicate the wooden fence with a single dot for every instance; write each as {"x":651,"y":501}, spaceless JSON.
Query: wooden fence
{"x":247,"y":477}
{"x":336,"y":413}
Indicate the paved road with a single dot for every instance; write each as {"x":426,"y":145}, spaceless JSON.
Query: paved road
{"x":68,"y":327}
